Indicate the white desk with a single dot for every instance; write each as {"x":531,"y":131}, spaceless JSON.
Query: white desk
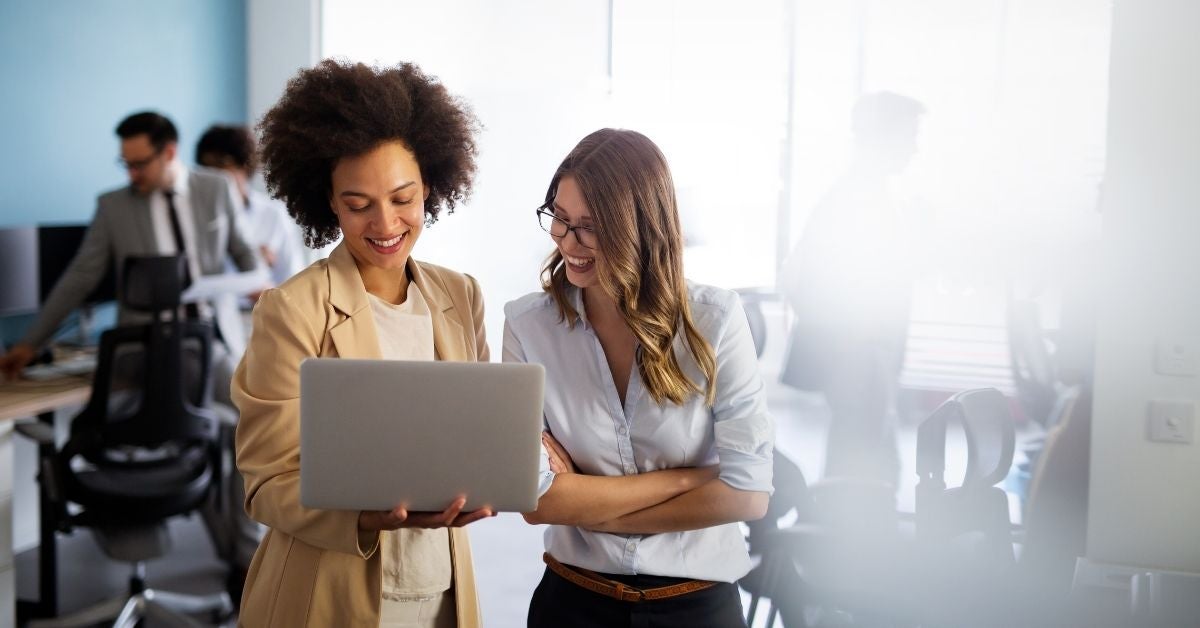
{"x":19,"y":400}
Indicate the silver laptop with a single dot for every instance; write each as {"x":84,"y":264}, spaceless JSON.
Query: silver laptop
{"x":377,"y":433}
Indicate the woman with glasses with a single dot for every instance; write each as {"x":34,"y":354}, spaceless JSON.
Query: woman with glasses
{"x":372,"y":155}
{"x":658,"y":440}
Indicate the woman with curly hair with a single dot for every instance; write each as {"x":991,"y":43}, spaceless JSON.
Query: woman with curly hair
{"x":375,"y":155}
{"x":658,"y":439}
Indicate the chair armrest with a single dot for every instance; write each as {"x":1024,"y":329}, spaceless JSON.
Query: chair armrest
{"x":48,"y":461}
{"x":796,"y":540}
{"x":42,"y":433}
{"x":881,"y":490}
{"x":757,"y":294}
{"x":798,"y":536}
{"x":842,"y":501}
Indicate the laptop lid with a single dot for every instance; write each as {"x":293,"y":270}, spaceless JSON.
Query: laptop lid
{"x":377,"y":433}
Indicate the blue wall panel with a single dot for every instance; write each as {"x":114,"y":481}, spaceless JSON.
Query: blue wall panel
{"x":71,"y":69}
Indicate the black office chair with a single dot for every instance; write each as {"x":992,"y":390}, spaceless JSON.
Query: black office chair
{"x":776,"y":577}
{"x":964,"y":534}
{"x":1031,"y":360}
{"x":975,"y":507}
{"x":752,"y":300}
{"x":144,"y":448}
{"x":1039,"y":389}
{"x":837,"y":557}
{"x":1055,"y":516}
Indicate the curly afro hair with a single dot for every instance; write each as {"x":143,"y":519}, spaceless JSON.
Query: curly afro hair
{"x":340,"y":109}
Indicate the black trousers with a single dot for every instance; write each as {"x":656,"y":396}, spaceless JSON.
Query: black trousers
{"x":558,"y":603}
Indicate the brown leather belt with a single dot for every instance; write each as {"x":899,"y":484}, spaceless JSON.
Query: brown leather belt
{"x":597,"y":583}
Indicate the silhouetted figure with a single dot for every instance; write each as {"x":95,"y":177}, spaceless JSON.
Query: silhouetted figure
{"x":850,"y":282}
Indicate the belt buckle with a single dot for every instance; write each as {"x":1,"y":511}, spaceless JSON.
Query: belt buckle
{"x":629,"y":594}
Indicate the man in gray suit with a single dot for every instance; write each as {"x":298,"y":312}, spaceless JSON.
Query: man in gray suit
{"x":164,"y":210}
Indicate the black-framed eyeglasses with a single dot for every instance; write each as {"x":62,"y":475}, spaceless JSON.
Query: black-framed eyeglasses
{"x":138,"y":164}
{"x":559,"y":228}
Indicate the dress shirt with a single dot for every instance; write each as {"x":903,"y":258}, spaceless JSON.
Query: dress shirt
{"x":269,"y":225}
{"x":584,"y":413}
{"x":164,"y":236}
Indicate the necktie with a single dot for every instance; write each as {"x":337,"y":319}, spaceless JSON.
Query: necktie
{"x":190,"y":310}
{"x":178,"y":233}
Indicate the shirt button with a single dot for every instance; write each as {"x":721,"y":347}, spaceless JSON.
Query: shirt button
{"x":623,"y":430}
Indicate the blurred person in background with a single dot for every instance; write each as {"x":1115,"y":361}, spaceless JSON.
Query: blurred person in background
{"x":232,"y":149}
{"x":166,"y":209}
{"x":849,"y":281}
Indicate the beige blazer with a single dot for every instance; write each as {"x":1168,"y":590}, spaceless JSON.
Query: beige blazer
{"x":311,"y":569}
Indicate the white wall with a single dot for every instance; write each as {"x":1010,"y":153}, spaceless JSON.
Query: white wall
{"x":1145,"y":501}
{"x":282,"y":36}
{"x":535,"y":74}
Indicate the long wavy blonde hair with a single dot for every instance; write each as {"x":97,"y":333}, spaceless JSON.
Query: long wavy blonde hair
{"x":628,"y":189}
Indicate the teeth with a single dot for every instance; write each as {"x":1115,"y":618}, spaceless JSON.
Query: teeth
{"x":386,"y":243}
{"x":578,"y":261}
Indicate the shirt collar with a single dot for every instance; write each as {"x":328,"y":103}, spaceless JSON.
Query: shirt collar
{"x":257,"y":199}
{"x":575,"y":297}
{"x":179,"y":177}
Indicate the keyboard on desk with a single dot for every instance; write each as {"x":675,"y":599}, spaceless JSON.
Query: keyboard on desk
{"x":75,"y":366}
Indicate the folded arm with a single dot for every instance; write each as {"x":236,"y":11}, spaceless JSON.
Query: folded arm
{"x":587,"y":500}
{"x":744,"y":440}
{"x":713,"y":503}
{"x":698,"y":500}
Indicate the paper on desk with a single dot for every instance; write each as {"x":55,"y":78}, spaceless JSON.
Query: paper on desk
{"x":210,"y":286}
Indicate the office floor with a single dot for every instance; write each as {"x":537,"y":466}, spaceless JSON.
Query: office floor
{"x":507,"y":551}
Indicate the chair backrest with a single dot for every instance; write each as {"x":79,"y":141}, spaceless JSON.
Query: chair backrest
{"x":1033,"y":370}
{"x":166,"y":386}
{"x":976,"y":505}
{"x":791,"y":494}
{"x":1056,"y":513}
{"x":752,"y":304}
{"x":153,"y":283}
{"x":990,"y":435}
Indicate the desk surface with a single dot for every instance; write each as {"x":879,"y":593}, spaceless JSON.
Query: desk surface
{"x":28,"y":398}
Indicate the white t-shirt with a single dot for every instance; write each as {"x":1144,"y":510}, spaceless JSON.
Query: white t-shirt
{"x":416,"y":562}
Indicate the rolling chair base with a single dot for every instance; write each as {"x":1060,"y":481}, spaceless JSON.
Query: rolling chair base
{"x":162,"y":606}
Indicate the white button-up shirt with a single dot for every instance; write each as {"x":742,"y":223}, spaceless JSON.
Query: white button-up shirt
{"x":584,"y":413}
{"x":164,"y":235}
{"x":269,"y":225}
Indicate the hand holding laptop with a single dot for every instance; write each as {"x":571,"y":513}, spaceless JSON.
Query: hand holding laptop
{"x":400,"y":517}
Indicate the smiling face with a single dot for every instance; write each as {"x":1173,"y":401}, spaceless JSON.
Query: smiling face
{"x":379,"y":200}
{"x":580,"y":261}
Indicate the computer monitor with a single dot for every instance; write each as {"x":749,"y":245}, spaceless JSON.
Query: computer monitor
{"x":57,"y":246}
{"x":18,"y":271}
